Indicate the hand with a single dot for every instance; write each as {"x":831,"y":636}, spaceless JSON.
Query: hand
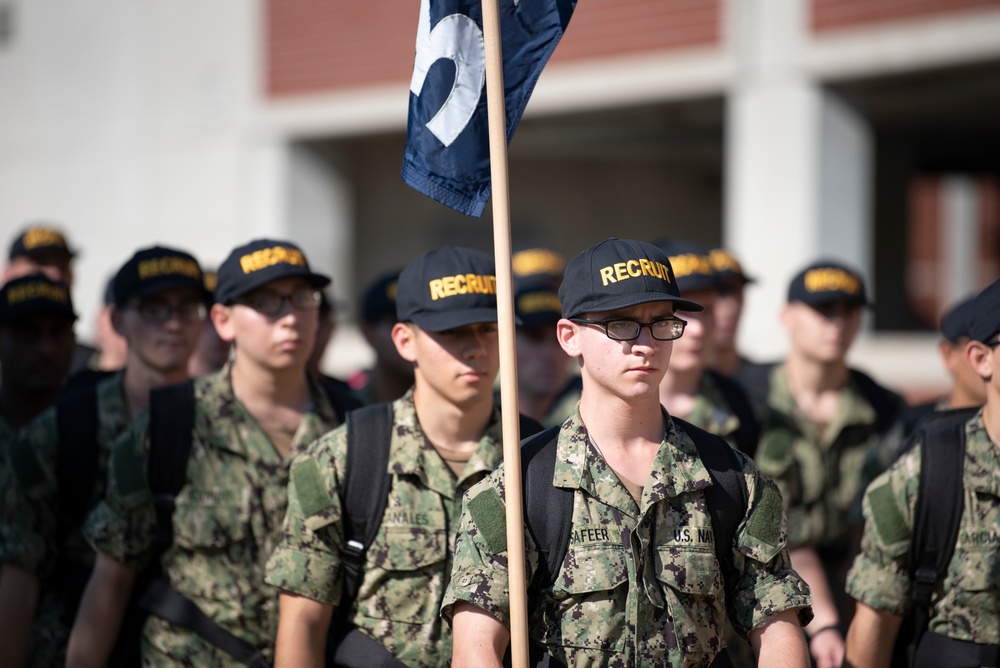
{"x":827,"y":647}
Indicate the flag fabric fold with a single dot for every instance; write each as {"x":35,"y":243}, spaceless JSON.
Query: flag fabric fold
{"x":447,"y":153}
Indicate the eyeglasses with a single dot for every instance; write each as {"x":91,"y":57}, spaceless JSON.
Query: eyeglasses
{"x":271,"y":304}
{"x":666,"y":329}
{"x":157,"y":313}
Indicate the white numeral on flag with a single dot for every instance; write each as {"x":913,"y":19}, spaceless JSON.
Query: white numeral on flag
{"x":457,"y":38}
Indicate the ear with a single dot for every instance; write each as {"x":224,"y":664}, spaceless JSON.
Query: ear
{"x":222,"y":318}
{"x":116,"y":317}
{"x":568,"y":334}
{"x":404,"y":336}
{"x":980,"y":358}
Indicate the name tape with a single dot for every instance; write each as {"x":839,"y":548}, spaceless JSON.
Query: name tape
{"x":620,"y":271}
{"x":462,"y":284}
{"x":831,"y":280}
{"x":268,"y":257}
{"x":30,"y":291}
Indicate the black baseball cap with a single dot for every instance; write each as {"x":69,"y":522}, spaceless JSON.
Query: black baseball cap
{"x":39,"y":239}
{"x":157,"y":269}
{"x":536,"y":302}
{"x":537,"y":261}
{"x":261,"y":261}
{"x":618,"y":273}
{"x":29,"y":295}
{"x":955,"y":322}
{"x":827,"y":281}
{"x":691,"y":264}
{"x":379,"y":300}
{"x":446,"y":288}
{"x":727,"y":268}
{"x":984,"y":321}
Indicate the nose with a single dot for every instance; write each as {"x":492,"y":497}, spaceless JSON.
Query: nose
{"x":645,"y":344}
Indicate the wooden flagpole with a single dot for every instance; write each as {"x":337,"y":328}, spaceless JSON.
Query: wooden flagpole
{"x":508,"y":358}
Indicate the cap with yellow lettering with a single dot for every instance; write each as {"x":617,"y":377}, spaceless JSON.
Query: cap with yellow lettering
{"x":447,"y":288}
{"x":379,"y":301}
{"x":534,"y":262}
{"x":38,"y":240}
{"x":536,"y":302}
{"x":157,"y":269}
{"x":727,"y":268}
{"x":828,"y":281}
{"x":619,"y":273}
{"x":691,"y":264}
{"x":29,"y":295}
{"x":261,"y":261}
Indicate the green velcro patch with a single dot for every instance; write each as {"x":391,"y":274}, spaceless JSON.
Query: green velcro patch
{"x":489,"y":514}
{"x":765,"y":520}
{"x":888,"y":520}
{"x":313,"y":494}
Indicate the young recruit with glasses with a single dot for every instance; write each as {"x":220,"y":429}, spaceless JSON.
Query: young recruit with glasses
{"x":249,"y":418}
{"x":159,"y":307}
{"x":639,"y":583}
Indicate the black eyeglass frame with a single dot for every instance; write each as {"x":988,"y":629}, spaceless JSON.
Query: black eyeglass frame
{"x":639,"y":327}
{"x":295,"y":299}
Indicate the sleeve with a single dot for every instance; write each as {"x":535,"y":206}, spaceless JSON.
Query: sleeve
{"x":307,"y":561}
{"x":764,"y":582}
{"x":776,"y":459}
{"x":29,"y":488}
{"x":123,"y":525}
{"x":479,"y":566}
{"x":879,"y":577}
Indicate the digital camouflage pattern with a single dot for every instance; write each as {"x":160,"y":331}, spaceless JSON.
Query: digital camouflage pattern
{"x":966,"y":604}
{"x":226,"y":522}
{"x":29,"y":515}
{"x":639,"y":586}
{"x":409,"y":562}
{"x":819,"y":473}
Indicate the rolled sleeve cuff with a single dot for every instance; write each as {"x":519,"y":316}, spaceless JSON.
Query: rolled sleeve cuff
{"x":768,"y":598}
{"x":107,"y":532}
{"x":309,"y":573}
{"x":478,"y":588}
{"x":878,"y":587}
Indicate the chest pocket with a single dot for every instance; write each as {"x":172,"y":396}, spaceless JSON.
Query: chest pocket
{"x":692,"y":589}
{"x":405,"y":576}
{"x":212,"y":546}
{"x":589,"y":599}
{"x":975,"y":567}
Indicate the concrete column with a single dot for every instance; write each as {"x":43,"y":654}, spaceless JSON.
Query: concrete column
{"x":797,"y":166}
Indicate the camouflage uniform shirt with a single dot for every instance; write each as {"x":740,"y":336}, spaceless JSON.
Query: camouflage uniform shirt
{"x":819,"y":473}
{"x":226,"y":522}
{"x":30,"y":515}
{"x":712,"y":412}
{"x":640,"y":585}
{"x":966,"y":604}
{"x":408,"y":564}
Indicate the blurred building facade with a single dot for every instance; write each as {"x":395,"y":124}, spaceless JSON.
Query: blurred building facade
{"x":865,"y":130}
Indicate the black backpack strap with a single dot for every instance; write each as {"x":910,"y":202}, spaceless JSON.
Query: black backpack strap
{"x":171,"y":423}
{"x":886,"y":404}
{"x":365,"y":491}
{"x":339,"y":395}
{"x":747,"y":435}
{"x":937,"y":515}
{"x":727,"y":497}
{"x":76,"y":456}
{"x":548,"y":510}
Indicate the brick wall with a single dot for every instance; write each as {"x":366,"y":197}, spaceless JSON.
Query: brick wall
{"x":834,"y":14}
{"x":316,"y":46}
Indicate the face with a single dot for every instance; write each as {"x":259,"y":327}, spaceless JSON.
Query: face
{"x":691,"y":350}
{"x":56,"y":266}
{"x":728,"y":309}
{"x":457,"y":365}
{"x":36,"y":351}
{"x":985,"y":360}
{"x":542,"y":365}
{"x":626,"y":369}
{"x":277,"y":342}
{"x":161,"y":329}
{"x":822,"y":333}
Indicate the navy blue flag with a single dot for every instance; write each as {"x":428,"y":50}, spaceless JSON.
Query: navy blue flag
{"x":447,"y":154}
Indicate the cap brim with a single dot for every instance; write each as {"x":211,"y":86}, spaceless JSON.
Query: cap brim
{"x":438,"y":322}
{"x":163,"y":286}
{"x":316,"y":280}
{"x":615,"y":302}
